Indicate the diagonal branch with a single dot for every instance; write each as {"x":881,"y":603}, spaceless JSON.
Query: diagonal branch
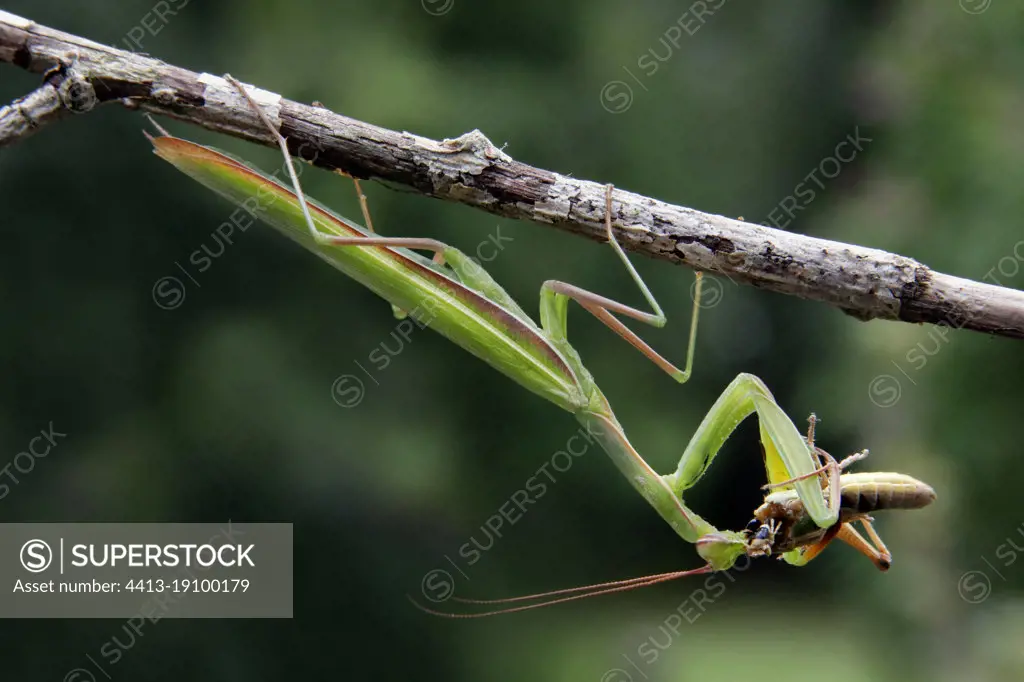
{"x":27,"y":114}
{"x":866,"y":283}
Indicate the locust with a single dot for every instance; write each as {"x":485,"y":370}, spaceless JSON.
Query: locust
{"x":450,"y":293}
{"x":782,"y":526}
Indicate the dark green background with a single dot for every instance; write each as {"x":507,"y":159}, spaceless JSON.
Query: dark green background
{"x":222,"y":407}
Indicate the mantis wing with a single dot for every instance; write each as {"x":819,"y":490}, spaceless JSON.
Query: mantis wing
{"x":257,"y":193}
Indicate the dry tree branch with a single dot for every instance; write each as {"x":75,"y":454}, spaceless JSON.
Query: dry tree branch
{"x":866,"y":283}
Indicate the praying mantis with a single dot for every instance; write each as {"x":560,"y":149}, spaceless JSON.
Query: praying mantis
{"x":812,"y":501}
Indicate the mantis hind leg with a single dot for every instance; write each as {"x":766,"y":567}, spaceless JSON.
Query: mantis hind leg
{"x":437,"y":247}
{"x":364,"y":207}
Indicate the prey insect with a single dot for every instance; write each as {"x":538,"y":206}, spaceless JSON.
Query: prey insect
{"x":451,"y":293}
{"x":781,"y":525}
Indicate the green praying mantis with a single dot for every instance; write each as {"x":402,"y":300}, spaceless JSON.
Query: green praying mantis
{"x":812,"y":500}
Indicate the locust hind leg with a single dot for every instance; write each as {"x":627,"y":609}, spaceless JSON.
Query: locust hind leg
{"x":875,"y":550}
{"x":803,"y":555}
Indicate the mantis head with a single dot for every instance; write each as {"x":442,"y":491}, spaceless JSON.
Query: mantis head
{"x":721,"y":549}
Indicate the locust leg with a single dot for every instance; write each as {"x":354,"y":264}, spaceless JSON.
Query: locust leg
{"x":874,"y":550}
{"x":801,"y":556}
{"x":832,"y":471}
{"x":831,"y":468}
{"x":812,"y":422}
{"x":827,"y":464}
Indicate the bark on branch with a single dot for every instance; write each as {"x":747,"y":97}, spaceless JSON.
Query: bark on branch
{"x":866,"y":283}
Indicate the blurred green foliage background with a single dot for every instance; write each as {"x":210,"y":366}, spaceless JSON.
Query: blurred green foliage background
{"x":222,"y":407}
